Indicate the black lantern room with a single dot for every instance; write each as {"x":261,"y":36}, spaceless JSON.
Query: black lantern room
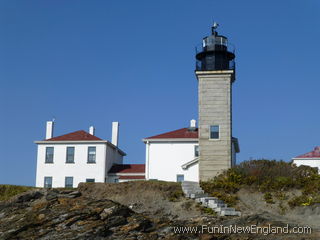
{"x":214,"y":54}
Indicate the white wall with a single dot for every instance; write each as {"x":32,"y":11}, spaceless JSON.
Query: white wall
{"x":312,"y":163}
{"x":80,"y":170}
{"x":113,"y":157}
{"x":166,"y":158}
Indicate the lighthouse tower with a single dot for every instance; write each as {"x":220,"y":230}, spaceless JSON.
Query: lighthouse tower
{"x":215,"y":71}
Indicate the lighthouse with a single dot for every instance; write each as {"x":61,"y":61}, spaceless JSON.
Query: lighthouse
{"x":215,"y":72}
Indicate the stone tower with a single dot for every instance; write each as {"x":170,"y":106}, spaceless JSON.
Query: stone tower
{"x":215,"y":71}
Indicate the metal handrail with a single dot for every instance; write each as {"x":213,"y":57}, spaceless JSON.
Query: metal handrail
{"x":230,"y":47}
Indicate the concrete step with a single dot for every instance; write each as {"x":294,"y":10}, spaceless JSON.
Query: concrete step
{"x":230,"y":213}
{"x":190,"y":184}
{"x":196,"y":195}
{"x":226,"y":209}
{"x":217,"y":205}
{"x":191,"y":188}
{"x":191,"y":191}
{"x":214,"y":201}
{"x":206,"y":199}
{"x":194,"y":191}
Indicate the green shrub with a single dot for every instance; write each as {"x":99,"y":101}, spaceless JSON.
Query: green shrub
{"x":304,"y":200}
{"x":281,"y":196}
{"x":268,"y":198}
{"x":265,"y":176}
{"x":175,"y":195}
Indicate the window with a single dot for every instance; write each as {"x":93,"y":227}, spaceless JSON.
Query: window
{"x":48,"y":182}
{"x":69,"y":182}
{"x":91,"y":154}
{"x":90,"y":180}
{"x":49,"y":154}
{"x":116,"y":180}
{"x":180,"y":177}
{"x":196,"y":150}
{"x":70,"y":155}
{"x":214,"y":132}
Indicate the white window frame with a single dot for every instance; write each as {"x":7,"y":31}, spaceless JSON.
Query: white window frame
{"x":219,"y":131}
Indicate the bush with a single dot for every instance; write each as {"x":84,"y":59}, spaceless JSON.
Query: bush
{"x":265,"y":176}
{"x":304,"y":200}
{"x":268,"y":198}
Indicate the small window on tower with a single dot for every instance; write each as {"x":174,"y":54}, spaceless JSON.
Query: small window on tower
{"x":196,"y":150}
{"x":214,"y":132}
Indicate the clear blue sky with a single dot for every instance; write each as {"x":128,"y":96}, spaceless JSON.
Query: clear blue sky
{"x":94,"y":62}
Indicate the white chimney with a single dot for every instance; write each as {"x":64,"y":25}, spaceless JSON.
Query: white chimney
{"x":49,"y":129}
{"x":115,"y":133}
{"x":91,"y":130}
{"x":193,"y":123}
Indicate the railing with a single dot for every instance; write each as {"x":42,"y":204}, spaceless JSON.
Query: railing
{"x":230,"y":47}
{"x":202,"y":67}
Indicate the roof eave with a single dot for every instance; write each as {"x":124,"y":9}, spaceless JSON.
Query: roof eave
{"x":306,"y":158}
{"x":170,"y":140}
{"x":69,"y":141}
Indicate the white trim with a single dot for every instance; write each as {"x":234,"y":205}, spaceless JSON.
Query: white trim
{"x":126,"y":174}
{"x":214,"y":139}
{"x":147,"y":159}
{"x":214,"y":72}
{"x":317,"y":159}
{"x":170,"y":140}
{"x":74,"y":141}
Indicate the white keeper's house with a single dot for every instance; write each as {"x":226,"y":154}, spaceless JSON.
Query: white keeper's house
{"x":174,"y":156}
{"x":311,"y":159}
{"x":80,"y":156}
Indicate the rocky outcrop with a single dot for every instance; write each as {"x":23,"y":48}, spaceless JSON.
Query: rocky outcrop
{"x":67,"y":214}
{"x":74,"y":214}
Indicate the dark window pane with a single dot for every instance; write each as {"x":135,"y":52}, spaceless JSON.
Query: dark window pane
{"x":90,"y":180}
{"x":214,"y":132}
{"x":48,"y":182}
{"x":91,"y":154}
{"x":196,"y":151}
{"x":180,"y":178}
{"x":49,"y":155}
{"x":69,"y":182}
{"x":70,"y":155}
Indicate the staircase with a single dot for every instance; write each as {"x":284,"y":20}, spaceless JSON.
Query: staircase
{"x":194,"y":191}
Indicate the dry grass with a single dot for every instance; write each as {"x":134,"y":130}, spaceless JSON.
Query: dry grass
{"x":8,"y":191}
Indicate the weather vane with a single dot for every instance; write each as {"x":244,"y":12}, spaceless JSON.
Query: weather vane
{"x":215,"y":25}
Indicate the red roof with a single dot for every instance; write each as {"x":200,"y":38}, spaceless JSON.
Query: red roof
{"x":131,"y":177}
{"x":128,"y":168}
{"x":180,"y":133}
{"x":313,"y":154}
{"x":75,"y":136}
